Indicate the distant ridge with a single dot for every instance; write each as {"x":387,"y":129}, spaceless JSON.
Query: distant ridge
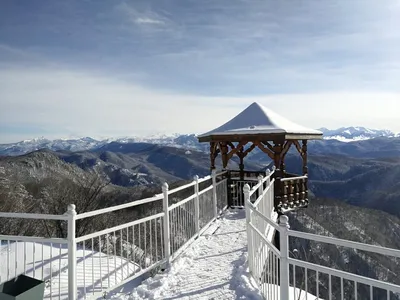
{"x":358,"y":133}
{"x":186,"y":141}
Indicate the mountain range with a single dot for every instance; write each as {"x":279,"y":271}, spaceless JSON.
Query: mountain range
{"x":354,"y":188}
{"x":350,"y":134}
{"x":187,"y":141}
{"x":88,"y":143}
{"x":363,"y":172}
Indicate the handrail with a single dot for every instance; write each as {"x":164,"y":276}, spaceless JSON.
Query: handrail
{"x":180,"y":203}
{"x":33,"y":239}
{"x":33,"y":216}
{"x":257,"y":186}
{"x":294,"y":178}
{"x":345,"y":275}
{"x":205,"y":178}
{"x":221,"y":182}
{"x":262,"y":236}
{"x":345,"y":243}
{"x":264,"y":193}
{"x":137,"y":202}
{"x":193,"y":183}
{"x":118,"y":207}
{"x":266,"y":219}
{"x":116,"y":228}
{"x":206,"y":190}
{"x":221,"y":173}
{"x":244,"y":179}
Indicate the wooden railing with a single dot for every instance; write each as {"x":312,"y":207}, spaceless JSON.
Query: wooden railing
{"x":291,"y":192}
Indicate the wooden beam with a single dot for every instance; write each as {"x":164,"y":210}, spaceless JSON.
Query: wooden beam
{"x":304,"y":150}
{"x":286,"y":148}
{"x":251,"y":148}
{"x":277,"y":154}
{"x":298,"y":147}
{"x":265,"y":150}
{"x":224,"y":153}
{"x":270,"y":147}
{"x":213,"y":154}
{"x":236,"y":149}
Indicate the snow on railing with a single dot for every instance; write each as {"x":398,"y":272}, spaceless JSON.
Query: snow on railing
{"x":263,"y":256}
{"x":276,"y":273}
{"x":79,"y":267}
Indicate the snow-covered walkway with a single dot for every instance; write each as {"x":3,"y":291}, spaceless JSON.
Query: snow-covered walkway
{"x":213,"y":267}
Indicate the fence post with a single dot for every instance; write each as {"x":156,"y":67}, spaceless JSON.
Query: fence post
{"x":72,"y":288}
{"x":268,"y":195}
{"x":229,"y":189}
{"x":271,"y":194}
{"x":268,"y":174}
{"x":167,"y":238}
{"x":261,"y":188}
{"x":247,"y":203}
{"x":284,"y":262}
{"x":197,"y":205}
{"x":214,"y":183}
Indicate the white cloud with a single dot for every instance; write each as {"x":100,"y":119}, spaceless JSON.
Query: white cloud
{"x":79,"y":103}
{"x":144,"y":17}
{"x":148,"y":21}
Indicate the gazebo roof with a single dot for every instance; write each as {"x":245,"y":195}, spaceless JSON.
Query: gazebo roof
{"x":259,"y":122}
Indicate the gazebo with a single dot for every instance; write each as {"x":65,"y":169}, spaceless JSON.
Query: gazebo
{"x":259,"y":127}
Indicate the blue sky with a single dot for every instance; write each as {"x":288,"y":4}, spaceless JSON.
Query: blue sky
{"x":115,"y":68}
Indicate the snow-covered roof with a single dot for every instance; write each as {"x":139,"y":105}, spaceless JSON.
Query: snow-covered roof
{"x":258,"y":120}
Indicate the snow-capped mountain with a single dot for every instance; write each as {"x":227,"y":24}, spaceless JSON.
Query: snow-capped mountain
{"x":188,"y":141}
{"x":26,"y":146}
{"x":350,"y":134}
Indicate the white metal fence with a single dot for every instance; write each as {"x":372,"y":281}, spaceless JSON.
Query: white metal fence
{"x":79,"y":267}
{"x":280,"y":276}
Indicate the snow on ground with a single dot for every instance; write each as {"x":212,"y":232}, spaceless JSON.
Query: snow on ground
{"x":50,"y":262}
{"x":273,"y":292}
{"x":213,"y":267}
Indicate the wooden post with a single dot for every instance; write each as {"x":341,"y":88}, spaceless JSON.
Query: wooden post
{"x":304,"y":156}
{"x":277,"y":154}
{"x":240,"y":154}
{"x":224,"y":154}
{"x":277,"y":148}
{"x":213,"y":154}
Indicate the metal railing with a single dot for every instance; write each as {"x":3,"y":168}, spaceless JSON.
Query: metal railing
{"x":276,"y":273}
{"x":79,"y":267}
{"x":237,"y":184}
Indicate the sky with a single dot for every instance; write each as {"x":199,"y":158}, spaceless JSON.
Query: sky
{"x":116,"y":68}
